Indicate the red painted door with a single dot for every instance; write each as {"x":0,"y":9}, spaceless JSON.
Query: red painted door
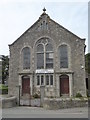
{"x":25,"y":85}
{"x":64,"y":84}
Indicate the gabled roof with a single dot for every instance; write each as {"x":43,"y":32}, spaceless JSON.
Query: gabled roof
{"x":42,"y":17}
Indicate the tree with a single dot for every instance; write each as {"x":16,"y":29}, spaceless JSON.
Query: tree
{"x":5,"y":68}
{"x":87,"y":63}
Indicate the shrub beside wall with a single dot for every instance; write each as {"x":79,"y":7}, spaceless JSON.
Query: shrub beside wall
{"x":3,"y":89}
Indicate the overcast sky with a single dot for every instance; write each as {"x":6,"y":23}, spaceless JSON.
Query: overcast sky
{"x":16,"y":16}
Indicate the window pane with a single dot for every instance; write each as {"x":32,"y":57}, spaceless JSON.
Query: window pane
{"x":26,"y":58}
{"x":40,"y":60}
{"x":51,"y":79}
{"x":47,"y":79}
{"x":38,"y":80}
{"x":42,"y":80}
{"x":49,"y":60}
{"x":49,"y":47}
{"x":63,"y":56}
{"x":44,"y":25}
{"x":40,"y":48}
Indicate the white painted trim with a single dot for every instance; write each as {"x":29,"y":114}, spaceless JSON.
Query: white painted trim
{"x":45,"y":71}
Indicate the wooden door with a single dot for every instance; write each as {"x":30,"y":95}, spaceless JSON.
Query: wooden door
{"x":25,"y":85}
{"x":64,"y":84}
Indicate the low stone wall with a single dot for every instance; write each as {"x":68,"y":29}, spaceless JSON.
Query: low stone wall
{"x":30,"y":102}
{"x":35,"y":102}
{"x":8,"y":102}
{"x":59,"y":103}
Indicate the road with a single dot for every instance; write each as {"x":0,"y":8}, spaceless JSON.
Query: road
{"x":37,"y":112}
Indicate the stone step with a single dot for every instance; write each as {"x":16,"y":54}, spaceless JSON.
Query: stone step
{"x":65,"y":96}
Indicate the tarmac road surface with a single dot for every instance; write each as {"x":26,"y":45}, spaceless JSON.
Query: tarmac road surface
{"x":37,"y":112}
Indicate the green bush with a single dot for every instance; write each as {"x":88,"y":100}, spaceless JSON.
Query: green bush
{"x":78,"y":95}
{"x":3,"y":89}
{"x":2,"y":86}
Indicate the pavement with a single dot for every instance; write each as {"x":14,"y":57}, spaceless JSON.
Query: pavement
{"x":38,"y":112}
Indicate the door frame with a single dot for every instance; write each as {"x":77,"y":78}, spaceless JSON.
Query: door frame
{"x":60,"y":84}
{"x":28,"y":77}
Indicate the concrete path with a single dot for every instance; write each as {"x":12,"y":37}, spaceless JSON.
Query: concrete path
{"x":37,"y":112}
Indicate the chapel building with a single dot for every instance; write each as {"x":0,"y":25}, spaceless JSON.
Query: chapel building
{"x":47,"y":54}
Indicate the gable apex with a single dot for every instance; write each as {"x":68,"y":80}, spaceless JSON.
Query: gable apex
{"x":45,"y":18}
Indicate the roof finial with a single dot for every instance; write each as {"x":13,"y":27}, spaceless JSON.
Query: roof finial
{"x":44,"y":9}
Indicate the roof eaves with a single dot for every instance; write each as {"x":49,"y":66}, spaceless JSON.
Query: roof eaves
{"x":68,"y":30}
{"x":24,"y":33}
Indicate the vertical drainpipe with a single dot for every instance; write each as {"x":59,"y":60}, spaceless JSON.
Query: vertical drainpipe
{"x":19,"y":94}
{"x":33,"y":84}
{"x":55,"y":84}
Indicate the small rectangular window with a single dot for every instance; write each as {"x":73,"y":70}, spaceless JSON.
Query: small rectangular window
{"x":51,"y":79}
{"x":38,"y":80}
{"x":42,"y":80}
{"x":47,"y":79}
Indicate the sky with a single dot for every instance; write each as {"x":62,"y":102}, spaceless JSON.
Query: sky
{"x":16,"y":16}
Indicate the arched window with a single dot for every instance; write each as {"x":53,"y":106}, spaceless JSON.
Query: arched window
{"x":40,"y":48}
{"x":49,"y":47}
{"x":40,"y":56}
{"x":49,"y":56}
{"x":26,"y":58}
{"x":63,"y":52}
{"x":44,"y":53}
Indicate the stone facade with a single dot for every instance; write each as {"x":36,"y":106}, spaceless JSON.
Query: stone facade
{"x":47,"y":29}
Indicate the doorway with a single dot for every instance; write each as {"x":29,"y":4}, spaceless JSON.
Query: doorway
{"x":25,"y":85}
{"x":64,"y":85}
